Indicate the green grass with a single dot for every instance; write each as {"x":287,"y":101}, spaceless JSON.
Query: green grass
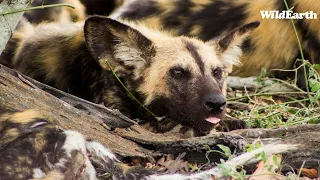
{"x":278,"y":109}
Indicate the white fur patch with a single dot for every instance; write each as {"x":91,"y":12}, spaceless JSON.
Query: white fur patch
{"x":129,"y":55}
{"x":38,"y":173}
{"x":232,"y":56}
{"x":98,"y":150}
{"x":76,"y":141}
{"x":91,"y":172}
{"x":118,"y":12}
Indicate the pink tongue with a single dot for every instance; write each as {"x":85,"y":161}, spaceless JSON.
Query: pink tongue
{"x":213,"y":120}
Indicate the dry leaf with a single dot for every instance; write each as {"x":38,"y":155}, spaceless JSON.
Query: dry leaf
{"x":174,"y":165}
{"x":267,"y":169}
{"x":310,"y":173}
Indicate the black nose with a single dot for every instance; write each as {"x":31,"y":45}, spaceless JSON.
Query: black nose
{"x":214,"y":102}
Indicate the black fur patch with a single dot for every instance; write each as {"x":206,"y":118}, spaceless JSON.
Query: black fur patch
{"x":311,"y":42}
{"x":247,"y":46}
{"x":215,"y":19}
{"x":56,"y":139}
{"x":194,"y":53}
{"x":37,"y":16}
{"x":141,"y":9}
{"x":99,"y":7}
{"x":175,"y":18}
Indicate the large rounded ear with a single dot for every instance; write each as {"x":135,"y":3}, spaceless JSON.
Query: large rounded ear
{"x":229,"y":47}
{"x":117,"y":42}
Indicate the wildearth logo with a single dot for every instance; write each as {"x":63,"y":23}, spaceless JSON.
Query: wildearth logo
{"x":287,"y":15}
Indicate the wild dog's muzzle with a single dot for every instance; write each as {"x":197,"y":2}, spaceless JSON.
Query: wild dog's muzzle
{"x":214,"y":104}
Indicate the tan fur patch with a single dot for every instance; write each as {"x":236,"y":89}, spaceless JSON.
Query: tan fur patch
{"x":68,"y":14}
{"x":10,"y":135}
{"x":22,"y":117}
{"x":77,"y":14}
{"x":49,"y":58}
{"x":195,"y":30}
{"x":76,"y":40}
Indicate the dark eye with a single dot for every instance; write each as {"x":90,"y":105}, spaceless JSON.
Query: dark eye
{"x":217,"y":73}
{"x":177,"y":72}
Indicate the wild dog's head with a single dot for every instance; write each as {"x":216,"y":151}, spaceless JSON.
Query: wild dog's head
{"x":178,"y":77}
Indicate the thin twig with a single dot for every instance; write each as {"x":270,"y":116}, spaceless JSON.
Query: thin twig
{"x":289,"y":70}
{"x":237,"y":102}
{"x":294,"y":99}
{"x":37,"y":7}
{"x":285,"y":103}
{"x":301,"y":169}
{"x":265,"y":117}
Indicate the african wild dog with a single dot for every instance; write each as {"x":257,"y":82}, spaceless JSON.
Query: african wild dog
{"x":33,"y":148}
{"x":272,"y":46}
{"x":58,"y":14}
{"x":179,"y":78}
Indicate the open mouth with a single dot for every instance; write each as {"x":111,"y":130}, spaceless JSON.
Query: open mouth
{"x":213,"y":120}
{"x":202,"y":124}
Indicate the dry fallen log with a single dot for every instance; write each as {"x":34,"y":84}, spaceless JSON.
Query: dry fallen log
{"x":195,"y":148}
{"x":307,"y":136}
{"x":268,"y":84}
{"x":96,"y":122}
